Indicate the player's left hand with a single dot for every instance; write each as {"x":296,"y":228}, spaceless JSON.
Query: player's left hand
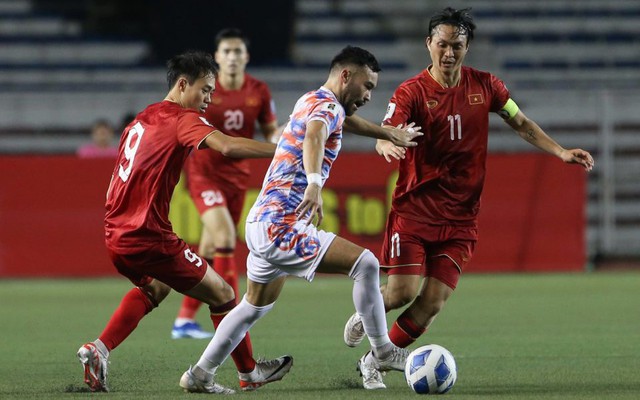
{"x":578,"y":156}
{"x":311,"y":205}
{"x":403,"y":136}
{"x":390,"y":151}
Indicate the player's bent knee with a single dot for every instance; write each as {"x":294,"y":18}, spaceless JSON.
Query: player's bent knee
{"x":430,"y":307}
{"x":255,"y":312}
{"x":156,"y":291}
{"x":213,"y":291}
{"x":366,"y":264}
{"x":398,"y":299}
{"x":223,"y":295}
{"x":228,"y":293}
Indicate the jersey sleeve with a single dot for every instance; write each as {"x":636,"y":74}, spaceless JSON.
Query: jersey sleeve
{"x":327,"y":112}
{"x":268,"y":107}
{"x":399,"y":107}
{"x":500,"y":93}
{"x":193,"y":129}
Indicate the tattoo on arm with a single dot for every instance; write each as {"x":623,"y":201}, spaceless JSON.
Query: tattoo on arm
{"x":531,"y":136}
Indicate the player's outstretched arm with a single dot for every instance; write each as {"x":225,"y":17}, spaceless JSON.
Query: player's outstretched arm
{"x":532,"y":133}
{"x":237,"y":147}
{"x":399,"y":136}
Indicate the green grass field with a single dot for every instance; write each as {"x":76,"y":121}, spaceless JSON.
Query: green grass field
{"x":566,"y":336}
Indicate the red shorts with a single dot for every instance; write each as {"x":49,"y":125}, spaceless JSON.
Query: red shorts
{"x":174,"y":264}
{"x":206,"y":195}
{"x":415,"y":248}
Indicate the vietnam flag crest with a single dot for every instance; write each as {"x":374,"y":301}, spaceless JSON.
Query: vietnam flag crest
{"x":476,"y":99}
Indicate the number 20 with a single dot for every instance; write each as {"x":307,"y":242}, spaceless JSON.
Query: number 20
{"x":453,"y":121}
{"x":134,"y":136}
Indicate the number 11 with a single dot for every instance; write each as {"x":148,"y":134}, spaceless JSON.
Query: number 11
{"x":452,"y":122}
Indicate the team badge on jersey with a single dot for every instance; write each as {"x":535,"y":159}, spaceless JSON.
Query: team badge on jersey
{"x":329,"y":107}
{"x":391,"y":108}
{"x":252,"y":101}
{"x":431,"y":104}
{"x":476,"y":99}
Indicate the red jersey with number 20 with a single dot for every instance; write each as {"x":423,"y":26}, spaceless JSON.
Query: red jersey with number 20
{"x":236,"y":113}
{"x":441,"y":179}
{"x":152,"y":151}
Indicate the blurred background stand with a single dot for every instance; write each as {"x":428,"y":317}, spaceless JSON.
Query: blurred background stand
{"x":573,"y":66}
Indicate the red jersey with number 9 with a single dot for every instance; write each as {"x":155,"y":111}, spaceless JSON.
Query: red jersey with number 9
{"x":152,"y":151}
{"x":441,"y":179}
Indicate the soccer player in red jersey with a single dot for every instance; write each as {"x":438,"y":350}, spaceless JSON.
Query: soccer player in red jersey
{"x":138,"y":235}
{"x":432,"y":226}
{"x":218,"y":184}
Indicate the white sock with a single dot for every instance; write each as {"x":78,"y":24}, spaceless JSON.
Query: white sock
{"x":368,"y":299}
{"x":101,"y":347}
{"x":383,"y":351}
{"x":182,"y":321}
{"x":229,"y":333}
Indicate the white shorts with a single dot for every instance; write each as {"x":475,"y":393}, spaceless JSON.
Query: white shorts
{"x":277,"y":250}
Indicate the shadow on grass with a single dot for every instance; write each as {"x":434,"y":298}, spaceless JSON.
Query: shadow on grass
{"x":345,"y":383}
{"x":73,"y":388}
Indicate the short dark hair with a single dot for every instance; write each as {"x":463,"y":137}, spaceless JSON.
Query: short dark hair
{"x":231,"y":33}
{"x":461,"y":19}
{"x":355,"y":56}
{"x":191,"y":64}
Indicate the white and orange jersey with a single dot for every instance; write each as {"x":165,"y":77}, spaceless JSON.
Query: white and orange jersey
{"x":285,"y":182}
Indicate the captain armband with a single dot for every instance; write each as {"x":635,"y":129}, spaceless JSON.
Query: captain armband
{"x":509,"y":110}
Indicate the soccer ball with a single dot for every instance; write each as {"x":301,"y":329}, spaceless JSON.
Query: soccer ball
{"x":430,"y":369}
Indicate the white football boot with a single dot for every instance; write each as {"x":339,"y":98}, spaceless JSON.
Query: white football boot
{"x":353,"y":331}
{"x":191,"y":384}
{"x":95,"y":364}
{"x":395,"y":361}
{"x":266,"y":371}
{"x":371,"y":377}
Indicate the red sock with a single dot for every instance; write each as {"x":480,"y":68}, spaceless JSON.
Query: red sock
{"x":243,"y":353}
{"x":133,"y":307}
{"x":224,"y":264}
{"x":189,"y":308}
{"x":404,"y":331}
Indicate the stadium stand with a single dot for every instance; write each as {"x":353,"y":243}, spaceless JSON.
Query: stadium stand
{"x":56,"y":78}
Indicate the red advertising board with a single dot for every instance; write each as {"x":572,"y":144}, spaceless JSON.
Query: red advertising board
{"x":51,"y":209}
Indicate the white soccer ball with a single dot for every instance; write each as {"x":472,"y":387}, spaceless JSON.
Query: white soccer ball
{"x":430,"y":369}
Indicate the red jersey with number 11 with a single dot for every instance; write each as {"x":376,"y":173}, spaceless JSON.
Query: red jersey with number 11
{"x":152,"y":151}
{"x":441,"y":179}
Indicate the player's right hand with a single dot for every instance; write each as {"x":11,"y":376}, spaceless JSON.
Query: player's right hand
{"x":578,"y":156}
{"x":311,"y":206}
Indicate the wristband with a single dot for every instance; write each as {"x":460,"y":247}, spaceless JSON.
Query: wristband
{"x":314,"y":178}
